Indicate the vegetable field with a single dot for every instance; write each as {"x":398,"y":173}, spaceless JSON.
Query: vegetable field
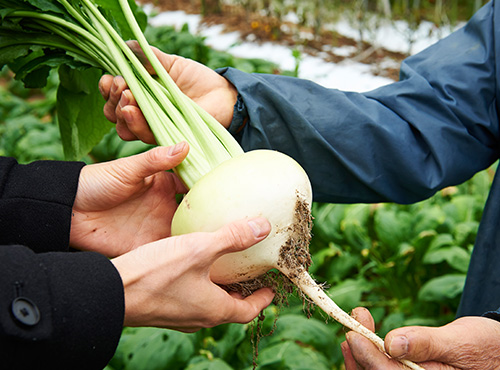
{"x":406,"y":263}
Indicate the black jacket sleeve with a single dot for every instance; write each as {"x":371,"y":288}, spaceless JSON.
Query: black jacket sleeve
{"x":58,"y":308}
{"x":36,"y":201}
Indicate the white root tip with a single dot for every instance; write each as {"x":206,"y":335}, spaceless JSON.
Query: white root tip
{"x":314,"y":291}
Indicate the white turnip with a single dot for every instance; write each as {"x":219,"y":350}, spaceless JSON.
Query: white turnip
{"x":269,"y":184}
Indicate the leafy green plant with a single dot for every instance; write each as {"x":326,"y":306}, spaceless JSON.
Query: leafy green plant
{"x":28,"y":131}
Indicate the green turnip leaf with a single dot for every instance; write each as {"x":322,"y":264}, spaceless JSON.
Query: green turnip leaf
{"x":79,"y":111}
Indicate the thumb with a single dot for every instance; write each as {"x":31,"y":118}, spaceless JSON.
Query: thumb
{"x":419,"y":344}
{"x":162,"y":158}
{"x":240,"y":235}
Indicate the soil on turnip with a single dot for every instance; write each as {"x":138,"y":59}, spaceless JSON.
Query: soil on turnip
{"x":294,"y":254}
{"x":294,"y":257}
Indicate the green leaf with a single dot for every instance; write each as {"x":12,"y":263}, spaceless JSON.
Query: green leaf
{"x":234,"y":334}
{"x":429,"y":218}
{"x":327,"y":221}
{"x":132,"y":147}
{"x":114,"y":14}
{"x":348,"y":294}
{"x":299,"y":328}
{"x":355,"y":227}
{"x":34,"y":73}
{"x":27,"y":139}
{"x":80,"y":111}
{"x":462,"y":208}
{"x":392,"y":227}
{"x":456,"y":257}
{"x":14,"y":45}
{"x":423,"y":240}
{"x":442,"y":288}
{"x":154,"y":349}
{"x":291,"y":356}
{"x":203,"y":363}
{"x":333,"y":263}
{"x":465,"y":232}
{"x":47,"y":6}
{"x":31,"y":55}
{"x":440,"y":241}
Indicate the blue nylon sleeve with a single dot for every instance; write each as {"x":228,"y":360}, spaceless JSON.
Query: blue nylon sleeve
{"x":435,"y":127}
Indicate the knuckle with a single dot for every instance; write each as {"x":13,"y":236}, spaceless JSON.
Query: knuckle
{"x":109,"y":112}
{"x":199,"y":253}
{"x":214,"y":318}
{"x":218,"y":319}
{"x":155,"y":155}
{"x":235,"y":236}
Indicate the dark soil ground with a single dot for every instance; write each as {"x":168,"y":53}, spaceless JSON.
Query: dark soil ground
{"x":259,"y":28}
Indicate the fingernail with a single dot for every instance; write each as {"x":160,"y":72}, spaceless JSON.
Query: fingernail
{"x":259,"y":226}
{"x":127,"y":116}
{"x":124,"y":99}
{"x":114,"y":86}
{"x":176,"y":149}
{"x":398,"y":347}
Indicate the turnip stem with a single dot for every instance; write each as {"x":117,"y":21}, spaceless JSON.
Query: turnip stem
{"x":222,"y":144}
{"x":86,"y":34}
{"x":311,"y":288}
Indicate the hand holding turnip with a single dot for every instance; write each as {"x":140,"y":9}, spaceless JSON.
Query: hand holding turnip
{"x":167,"y":283}
{"x":468,"y":343}
{"x":205,"y":86}
{"x":126,"y":203}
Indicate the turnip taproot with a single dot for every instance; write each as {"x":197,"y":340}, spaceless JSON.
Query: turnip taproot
{"x":269,"y":184}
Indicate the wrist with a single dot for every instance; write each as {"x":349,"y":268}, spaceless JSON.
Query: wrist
{"x":135,"y":295}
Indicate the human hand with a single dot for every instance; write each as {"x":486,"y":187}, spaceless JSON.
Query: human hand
{"x":127,"y":202}
{"x":205,"y":86}
{"x":167,"y":282}
{"x":468,"y":343}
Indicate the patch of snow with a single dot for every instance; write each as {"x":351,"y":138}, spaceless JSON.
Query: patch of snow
{"x":175,"y":19}
{"x":343,"y":51}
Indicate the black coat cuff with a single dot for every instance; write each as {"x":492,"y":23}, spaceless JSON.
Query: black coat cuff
{"x":36,"y":202}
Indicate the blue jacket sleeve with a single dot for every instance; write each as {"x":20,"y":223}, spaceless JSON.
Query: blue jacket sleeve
{"x":435,"y":127}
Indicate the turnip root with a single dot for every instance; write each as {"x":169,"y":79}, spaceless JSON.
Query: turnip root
{"x":269,"y":184}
